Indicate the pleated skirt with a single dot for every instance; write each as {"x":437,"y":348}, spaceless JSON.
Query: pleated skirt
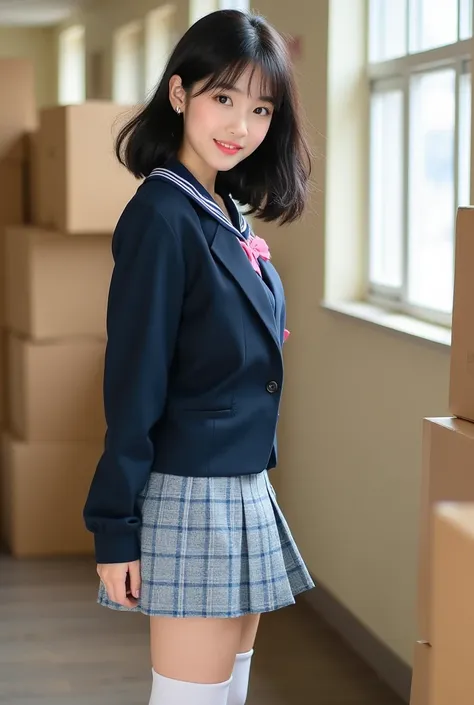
{"x":214,"y":547}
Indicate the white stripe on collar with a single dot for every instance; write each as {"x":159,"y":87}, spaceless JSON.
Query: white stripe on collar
{"x":187,"y":185}
{"x":208,"y":203}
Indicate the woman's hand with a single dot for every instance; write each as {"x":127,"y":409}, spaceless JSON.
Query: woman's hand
{"x":122,"y":581}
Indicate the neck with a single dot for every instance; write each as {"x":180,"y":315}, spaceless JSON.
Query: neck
{"x":202,"y":172}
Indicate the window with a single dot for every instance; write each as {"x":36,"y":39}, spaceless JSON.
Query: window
{"x":128,"y":84}
{"x":243,"y":5}
{"x":72,"y":72}
{"x":420,"y":133}
{"x":199,"y":8}
{"x":159,"y":39}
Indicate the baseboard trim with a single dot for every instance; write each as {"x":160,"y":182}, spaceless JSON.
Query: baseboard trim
{"x":389,"y":666}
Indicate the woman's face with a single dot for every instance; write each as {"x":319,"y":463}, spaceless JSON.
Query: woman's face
{"x":223,"y":127}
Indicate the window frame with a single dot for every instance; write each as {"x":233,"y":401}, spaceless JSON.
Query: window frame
{"x":397,"y":73}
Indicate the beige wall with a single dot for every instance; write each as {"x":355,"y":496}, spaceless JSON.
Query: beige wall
{"x":101,"y":22}
{"x":355,"y":394}
{"x":39,"y":45}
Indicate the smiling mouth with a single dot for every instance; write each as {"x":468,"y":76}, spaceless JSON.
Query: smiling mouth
{"x":228,"y":147}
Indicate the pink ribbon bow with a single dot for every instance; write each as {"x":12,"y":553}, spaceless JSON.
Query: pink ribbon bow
{"x":254,"y":248}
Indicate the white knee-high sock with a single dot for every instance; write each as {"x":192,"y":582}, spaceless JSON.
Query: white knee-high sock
{"x":240,"y":679}
{"x":168,"y":691}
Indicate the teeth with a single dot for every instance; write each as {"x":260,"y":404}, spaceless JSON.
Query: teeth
{"x":228,"y":146}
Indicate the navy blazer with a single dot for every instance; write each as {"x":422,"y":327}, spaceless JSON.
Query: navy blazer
{"x":193,"y":366}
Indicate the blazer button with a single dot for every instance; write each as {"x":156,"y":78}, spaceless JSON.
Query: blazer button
{"x":272,"y":387}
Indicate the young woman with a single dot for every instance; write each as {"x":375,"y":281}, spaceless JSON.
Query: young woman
{"x":187,"y":526}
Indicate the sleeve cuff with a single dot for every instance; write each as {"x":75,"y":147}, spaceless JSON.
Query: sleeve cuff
{"x":117,"y":548}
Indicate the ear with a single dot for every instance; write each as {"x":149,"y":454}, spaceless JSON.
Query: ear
{"x":177,"y":94}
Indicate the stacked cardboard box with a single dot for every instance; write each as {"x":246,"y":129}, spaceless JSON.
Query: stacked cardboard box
{"x":447,"y":470}
{"x":55,"y":300}
{"x":461,"y":388}
{"x":57,"y":272}
{"x":17,"y":117}
{"x":451,"y":676}
{"x":82,"y":187}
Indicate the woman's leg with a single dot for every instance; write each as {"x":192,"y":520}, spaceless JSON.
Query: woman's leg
{"x":241,"y":673}
{"x":195,"y":649}
{"x":192,"y":659}
{"x":250,"y":624}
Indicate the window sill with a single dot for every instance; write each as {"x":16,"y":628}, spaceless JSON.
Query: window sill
{"x":398,"y":323}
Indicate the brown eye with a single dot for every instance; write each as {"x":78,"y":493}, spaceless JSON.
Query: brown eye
{"x":259,"y":113}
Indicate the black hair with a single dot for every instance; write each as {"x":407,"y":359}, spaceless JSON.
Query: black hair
{"x":273,"y":180}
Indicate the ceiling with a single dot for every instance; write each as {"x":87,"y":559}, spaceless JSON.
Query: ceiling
{"x":36,"y":12}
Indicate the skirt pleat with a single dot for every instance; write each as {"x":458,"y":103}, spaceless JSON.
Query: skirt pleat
{"x":214,"y":547}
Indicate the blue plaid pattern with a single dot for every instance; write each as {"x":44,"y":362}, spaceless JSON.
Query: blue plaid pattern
{"x":214,"y":547}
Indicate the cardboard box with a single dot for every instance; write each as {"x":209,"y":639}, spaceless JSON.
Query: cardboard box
{"x":12,"y":193}
{"x":18,"y":112}
{"x":461,"y":386}
{"x":3,"y":378}
{"x":87,"y":188}
{"x":43,"y":490}
{"x":56,"y":286}
{"x":55,"y":389}
{"x":421,"y":677}
{"x":452,"y":674}
{"x":12,"y":211}
{"x":447,"y":475}
{"x":33,"y":183}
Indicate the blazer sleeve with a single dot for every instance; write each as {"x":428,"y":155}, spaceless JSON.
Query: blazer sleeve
{"x":143,"y":315}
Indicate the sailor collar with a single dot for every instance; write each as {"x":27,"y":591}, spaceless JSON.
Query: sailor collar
{"x":176,"y":173}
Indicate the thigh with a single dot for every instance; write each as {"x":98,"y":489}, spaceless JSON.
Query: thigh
{"x":195,"y":649}
{"x":250,"y":624}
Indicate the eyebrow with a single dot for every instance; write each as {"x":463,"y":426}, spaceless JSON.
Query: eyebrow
{"x":229,"y":87}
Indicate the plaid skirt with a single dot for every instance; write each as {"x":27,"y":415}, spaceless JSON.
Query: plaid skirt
{"x":214,"y":547}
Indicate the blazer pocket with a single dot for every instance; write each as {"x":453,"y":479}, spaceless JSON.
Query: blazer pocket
{"x":207,"y":413}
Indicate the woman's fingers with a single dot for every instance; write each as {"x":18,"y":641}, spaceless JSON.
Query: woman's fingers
{"x":135,"y":579}
{"x":115,"y":577}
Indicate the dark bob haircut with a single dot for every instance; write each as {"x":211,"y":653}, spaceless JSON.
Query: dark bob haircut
{"x":273,"y":181}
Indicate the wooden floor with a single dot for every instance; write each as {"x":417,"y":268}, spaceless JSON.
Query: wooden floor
{"x":58,"y":647}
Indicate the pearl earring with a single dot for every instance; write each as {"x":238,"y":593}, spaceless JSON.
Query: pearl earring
{"x":178,"y":109}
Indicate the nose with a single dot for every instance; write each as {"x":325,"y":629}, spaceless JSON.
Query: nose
{"x":238,"y":127}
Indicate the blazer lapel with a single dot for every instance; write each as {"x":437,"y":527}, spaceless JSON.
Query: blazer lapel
{"x":274,"y":284}
{"x":229,"y":252}
{"x":224,"y":242}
